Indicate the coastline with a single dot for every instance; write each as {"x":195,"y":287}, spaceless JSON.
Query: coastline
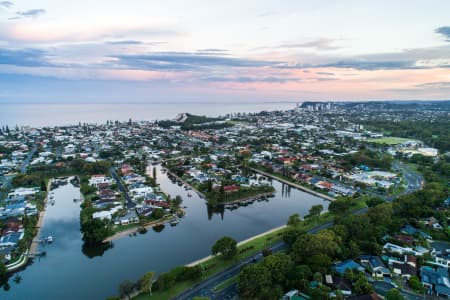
{"x":297,"y":186}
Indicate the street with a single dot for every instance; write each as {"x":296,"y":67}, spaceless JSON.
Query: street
{"x":206,"y":288}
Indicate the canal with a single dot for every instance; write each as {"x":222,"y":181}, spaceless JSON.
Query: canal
{"x":71,"y":271}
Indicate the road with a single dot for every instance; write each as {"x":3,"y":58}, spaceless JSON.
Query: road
{"x":27,"y":160}
{"x":130,"y":204}
{"x":413,"y":181}
{"x":206,"y":288}
{"x":382,"y":287}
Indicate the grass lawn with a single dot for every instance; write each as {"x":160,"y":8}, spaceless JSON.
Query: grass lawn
{"x":218,"y":264}
{"x":226,"y":283}
{"x":389,"y":140}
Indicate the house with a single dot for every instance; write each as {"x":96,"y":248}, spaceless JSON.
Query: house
{"x":95,"y":180}
{"x":372,"y":296}
{"x":295,"y":295}
{"x":341,"y":267}
{"x":339,"y":283}
{"x":404,"y":239}
{"x":375,"y":265}
{"x":129,"y":218}
{"x":389,"y":247}
{"x":230,"y":188}
{"x":436,"y":281}
{"x":11,"y":239}
{"x":404,"y":269}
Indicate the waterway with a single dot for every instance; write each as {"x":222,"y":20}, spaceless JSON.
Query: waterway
{"x":71,"y":271}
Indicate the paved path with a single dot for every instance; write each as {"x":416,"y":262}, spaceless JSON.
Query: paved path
{"x":238,"y":244}
{"x":206,"y":288}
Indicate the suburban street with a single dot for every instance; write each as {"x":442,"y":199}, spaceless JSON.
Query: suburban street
{"x":27,"y":160}
{"x":382,"y":287}
{"x":130,"y":204}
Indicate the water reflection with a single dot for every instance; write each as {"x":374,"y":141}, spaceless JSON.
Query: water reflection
{"x":98,"y":249}
{"x":158,"y":228}
{"x":98,"y":266}
{"x":218,"y":209}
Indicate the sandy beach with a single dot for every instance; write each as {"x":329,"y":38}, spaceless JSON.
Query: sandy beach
{"x":35,"y":242}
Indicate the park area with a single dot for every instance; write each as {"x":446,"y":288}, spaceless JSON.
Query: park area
{"x":389,"y":140}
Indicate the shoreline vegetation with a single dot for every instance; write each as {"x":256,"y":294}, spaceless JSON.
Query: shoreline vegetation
{"x":138,"y":227}
{"x":293,"y":184}
{"x":214,"y":264}
{"x":114,"y":232}
{"x":262,"y":192}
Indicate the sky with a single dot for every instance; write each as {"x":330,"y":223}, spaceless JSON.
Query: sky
{"x":144,"y":51}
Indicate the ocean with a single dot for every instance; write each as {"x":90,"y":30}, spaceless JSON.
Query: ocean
{"x":46,"y":114}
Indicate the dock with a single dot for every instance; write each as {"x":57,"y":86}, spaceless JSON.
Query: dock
{"x":185,"y":183}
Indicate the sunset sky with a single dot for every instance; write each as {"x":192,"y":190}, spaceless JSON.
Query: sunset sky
{"x":143,"y":51}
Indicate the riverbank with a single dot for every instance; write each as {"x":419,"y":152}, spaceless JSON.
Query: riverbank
{"x":215,"y":264}
{"x":138,"y":227}
{"x":295,"y":185}
{"x":240,"y":244}
{"x":40,"y":222}
{"x":185,"y":183}
{"x":232,"y":202}
{"x":32,"y":250}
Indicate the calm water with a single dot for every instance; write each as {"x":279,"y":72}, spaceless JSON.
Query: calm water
{"x":64,"y":114}
{"x":69,"y":272}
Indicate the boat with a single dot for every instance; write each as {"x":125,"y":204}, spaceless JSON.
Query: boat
{"x":174,"y":222}
{"x":189,"y":195}
{"x":49,"y":239}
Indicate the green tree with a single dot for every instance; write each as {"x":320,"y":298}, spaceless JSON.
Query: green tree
{"x":294,"y":220}
{"x":226,"y":246}
{"x":95,"y":230}
{"x":299,"y":276}
{"x":158,"y":213}
{"x":362,"y":286}
{"x":374,"y":201}
{"x":279,"y":265}
{"x":147,"y":282}
{"x":414,"y":283}
{"x":307,"y":245}
{"x":252,"y":280}
{"x":394,"y":294}
{"x":340,"y":206}
{"x":315,"y":211}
